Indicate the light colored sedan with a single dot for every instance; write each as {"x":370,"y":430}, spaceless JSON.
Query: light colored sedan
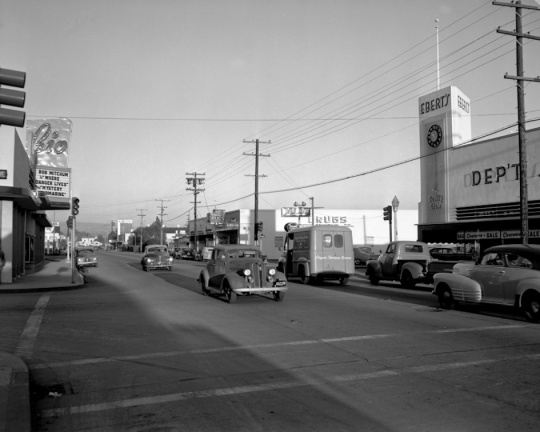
{"x":505,"y":274}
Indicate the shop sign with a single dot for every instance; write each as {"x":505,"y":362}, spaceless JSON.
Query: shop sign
{"x":53,"y":182}
{"x":278,"y":242}
{"x":48,"y":140}
{"x":295,"y":211}
{"x":488,"y":235}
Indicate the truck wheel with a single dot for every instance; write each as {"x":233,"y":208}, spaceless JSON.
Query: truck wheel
{"x":446,"y":299}
{"x":407,"y":280}
{"x":373,"y":280}
{"x":303,"y":278}
{"x":531,"y":307}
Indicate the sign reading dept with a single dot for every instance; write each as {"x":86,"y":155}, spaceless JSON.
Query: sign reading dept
{"x":54,"y":182}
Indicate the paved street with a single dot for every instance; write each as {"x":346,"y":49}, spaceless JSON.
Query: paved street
{"x":137,"y":351}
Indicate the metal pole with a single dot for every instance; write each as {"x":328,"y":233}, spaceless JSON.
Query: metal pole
{"x":523,"y":195}
{"x":256,"y":190}
{"x":438,"y":81}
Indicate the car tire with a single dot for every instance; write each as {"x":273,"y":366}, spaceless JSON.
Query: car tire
{"x":446,"y":299}
{"x":407,"y":280}
{"x":531,"y":307}
{"x":169,"y":268}
{"x":344,"y":281}
{"x":303,"y":278}
{"x":278,"y":296}
{"x":231,"y":295}
{"x":205,"y":292}
{"x":373,"y":280}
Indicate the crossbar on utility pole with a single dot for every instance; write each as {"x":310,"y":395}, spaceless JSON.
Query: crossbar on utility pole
{"x":195,"y":181}
{"x":257,"y":154}
{"x":522,"y":133}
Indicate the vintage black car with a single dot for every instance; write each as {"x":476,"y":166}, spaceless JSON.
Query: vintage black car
{"x":156,"y":257}
{"x":235,"y":270}
{"x":85,"y":257}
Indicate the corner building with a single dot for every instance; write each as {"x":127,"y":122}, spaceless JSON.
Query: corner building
{"x":470,"y":192}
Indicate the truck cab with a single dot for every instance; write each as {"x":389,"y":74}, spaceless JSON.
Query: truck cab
{"x":318,"y":252}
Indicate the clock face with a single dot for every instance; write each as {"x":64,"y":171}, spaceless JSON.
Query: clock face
{"x":434,"y":136}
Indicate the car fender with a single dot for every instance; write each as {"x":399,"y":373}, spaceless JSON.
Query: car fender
{"x":526,"y":285}
{"x":463,"y":288}
{"x":373,"y":267}
{"x":235,"y":280}
{"x":204,"y":275}
{"x":415,"y":269}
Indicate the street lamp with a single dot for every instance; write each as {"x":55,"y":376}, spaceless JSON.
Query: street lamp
{"x":395,"y":205}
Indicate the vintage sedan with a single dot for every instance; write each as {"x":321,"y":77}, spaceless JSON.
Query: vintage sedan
{"x":85,"y":257}
{"x":235,"y":270}
{"x":505,"y":274}
{"x":156,"y":257}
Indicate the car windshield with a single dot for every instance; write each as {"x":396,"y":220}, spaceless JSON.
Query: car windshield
{"x":157,"y":249}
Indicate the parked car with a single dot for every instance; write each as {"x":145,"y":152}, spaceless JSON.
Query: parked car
{"x":406,"y":261}
{"x":85,"y":257}
{"x":182,"y":253}
{"x":505,"y":274}
{"x":448,"y":254}
{"x":235,"y":270}
{"x":362,"y":254}
{"x":156,"y":257}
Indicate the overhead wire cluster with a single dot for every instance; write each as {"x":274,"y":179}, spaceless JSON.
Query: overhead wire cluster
{"x":374,"y":96}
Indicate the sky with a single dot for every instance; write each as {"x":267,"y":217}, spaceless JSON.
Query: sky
{"x":157,"y":89}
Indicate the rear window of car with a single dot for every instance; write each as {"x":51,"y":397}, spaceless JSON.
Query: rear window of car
{"x":414,"y":248}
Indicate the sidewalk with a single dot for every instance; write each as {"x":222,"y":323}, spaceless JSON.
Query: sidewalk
{"x":54,"y":274}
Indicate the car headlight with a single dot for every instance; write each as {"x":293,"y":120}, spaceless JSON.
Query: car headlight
{"x":247,"y":272}
{"x":272,"y":272}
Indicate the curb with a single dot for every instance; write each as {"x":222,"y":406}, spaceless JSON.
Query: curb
{"x":15,"y":414}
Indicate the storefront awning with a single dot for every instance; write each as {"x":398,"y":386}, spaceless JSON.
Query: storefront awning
{"x":41,"y":219}
{"x":24,"y":197}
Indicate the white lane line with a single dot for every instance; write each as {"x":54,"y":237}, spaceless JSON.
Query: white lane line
{"x":136,"y":357}
{"x":302,"y":380}
{"x":28,"y":337}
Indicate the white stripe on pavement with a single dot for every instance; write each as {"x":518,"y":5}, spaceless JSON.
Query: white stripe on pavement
{"x":28,"y":337}
{"x":302,"y":381}
{"x":135,"y":357}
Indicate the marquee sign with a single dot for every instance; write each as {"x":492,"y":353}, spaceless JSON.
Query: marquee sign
{"x":53,"y":182}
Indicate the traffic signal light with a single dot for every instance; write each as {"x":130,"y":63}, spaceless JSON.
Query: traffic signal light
{"x":10,"y":97}
{"x":258,"y":229}
{"x":387,"y":212}
{"x":70,"y":222}
{"x":75,"y":206}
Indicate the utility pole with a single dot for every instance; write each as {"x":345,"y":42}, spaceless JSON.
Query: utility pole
{"x":523,"y":194}
{"x":141,"y":216}
{"x":195,"y":181}
{"x":256,"y":154}
{"x":162,"y":214}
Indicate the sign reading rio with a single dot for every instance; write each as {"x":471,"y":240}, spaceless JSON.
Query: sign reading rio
{"x":48,"y":141}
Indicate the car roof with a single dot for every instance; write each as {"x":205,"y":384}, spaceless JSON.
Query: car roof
{"x":528,"y":251}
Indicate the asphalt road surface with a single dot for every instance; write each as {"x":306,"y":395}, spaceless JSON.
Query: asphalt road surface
{"x":138,"y":351}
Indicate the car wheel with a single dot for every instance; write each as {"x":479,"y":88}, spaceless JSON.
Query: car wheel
{"x":344,"y":281}
{"x":169,"y":268}
{"x":203,"y":287}
{"x":446,"y":299}
{"x":278,"y":296}
{"x":303,"y":278}
{"x":407,"y":280}
{"x":373,"y":280}
{"x":230,"y":294}
{"x":531,"y":307}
